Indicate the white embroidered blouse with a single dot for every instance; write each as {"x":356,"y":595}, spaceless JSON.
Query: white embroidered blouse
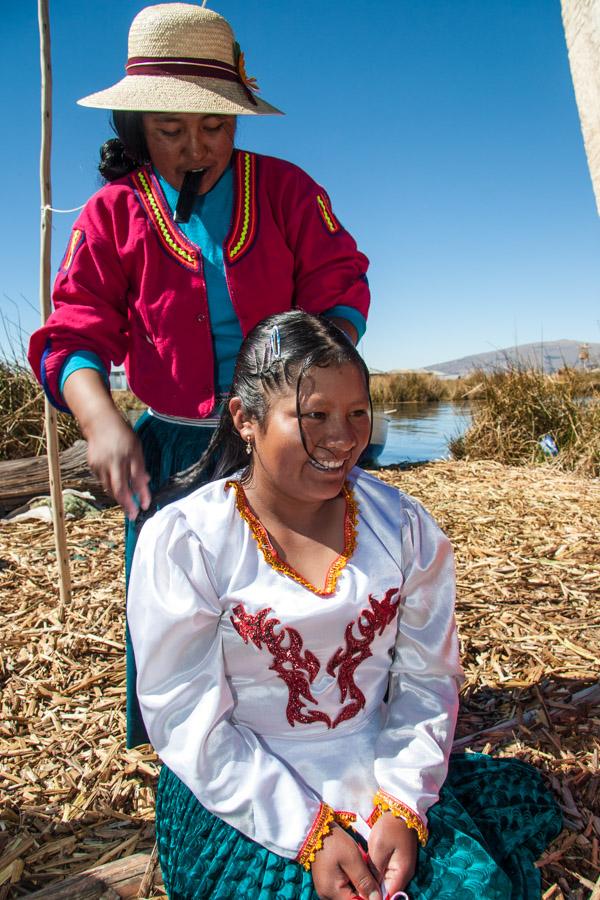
{"x":277,"y":702}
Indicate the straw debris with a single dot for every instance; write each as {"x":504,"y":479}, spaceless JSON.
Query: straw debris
{"x":528,"y":559}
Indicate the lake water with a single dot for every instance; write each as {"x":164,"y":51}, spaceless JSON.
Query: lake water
{"x":417,"y":431}
{"x":421,"y":431}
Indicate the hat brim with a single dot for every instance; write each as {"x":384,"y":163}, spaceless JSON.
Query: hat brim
{"x":179,"y":94}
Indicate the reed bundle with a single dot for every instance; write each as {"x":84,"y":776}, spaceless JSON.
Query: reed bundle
{"x":22,"y":415}
{"x":410,"y":387}
{"x":515,"y":409}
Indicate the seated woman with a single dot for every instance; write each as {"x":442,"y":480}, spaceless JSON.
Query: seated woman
{"x":298,"y":668}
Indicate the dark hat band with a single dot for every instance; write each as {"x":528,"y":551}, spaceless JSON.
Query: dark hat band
{"x":182,"y":65}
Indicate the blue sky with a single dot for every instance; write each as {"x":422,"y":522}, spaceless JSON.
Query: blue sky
{"x":445,"y":132}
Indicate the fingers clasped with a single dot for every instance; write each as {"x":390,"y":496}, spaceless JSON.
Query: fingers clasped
{"x":393,"y":852}
{"x":341,"y":872}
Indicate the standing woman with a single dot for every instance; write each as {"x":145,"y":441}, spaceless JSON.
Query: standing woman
{"x":186,"y":248}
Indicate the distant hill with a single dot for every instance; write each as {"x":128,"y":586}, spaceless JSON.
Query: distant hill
{"x":551,"y":355}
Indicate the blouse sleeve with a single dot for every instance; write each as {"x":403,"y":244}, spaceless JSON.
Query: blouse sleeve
{"x":174,"y":613}
{"x":412,"y":751}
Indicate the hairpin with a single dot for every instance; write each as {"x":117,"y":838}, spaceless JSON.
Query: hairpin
{"x":275,"y":340}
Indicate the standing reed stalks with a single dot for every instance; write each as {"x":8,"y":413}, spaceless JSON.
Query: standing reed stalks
{"x":515,"y":409}
{"x":22,"y":415}
{"x":411,"y":387}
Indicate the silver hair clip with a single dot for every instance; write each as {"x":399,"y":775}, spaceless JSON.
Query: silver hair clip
{"x":275,"y":340}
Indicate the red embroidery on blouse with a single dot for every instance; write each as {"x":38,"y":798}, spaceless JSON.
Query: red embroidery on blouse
{"x":369,"y":623}
{"x":298,"y":670}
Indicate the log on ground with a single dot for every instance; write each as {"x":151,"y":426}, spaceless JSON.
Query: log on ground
{"x":23,"y":479}
{"x":112,"y":881}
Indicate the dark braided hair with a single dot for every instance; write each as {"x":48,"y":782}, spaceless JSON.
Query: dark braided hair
{"x":128,"y":151}
{"x":304,"y":341}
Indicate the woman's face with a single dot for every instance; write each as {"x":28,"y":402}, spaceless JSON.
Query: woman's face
{"x":178,"y":142}
{"x":336,"y":423}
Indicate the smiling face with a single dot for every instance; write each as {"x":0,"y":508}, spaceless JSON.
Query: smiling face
{"x":335,"y":422}
{"x":178,"y":142}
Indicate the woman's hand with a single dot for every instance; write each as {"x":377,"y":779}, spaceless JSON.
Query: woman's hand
{"x":340,"y":872}
{"x":393,"y":851}
{"x":114,"y":451}
{"x":115,"y":456}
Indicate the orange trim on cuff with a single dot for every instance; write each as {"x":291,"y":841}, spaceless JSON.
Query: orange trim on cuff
{"x":319,"y":830}
{"x":384,"y":802}
{"x":344,"y":818}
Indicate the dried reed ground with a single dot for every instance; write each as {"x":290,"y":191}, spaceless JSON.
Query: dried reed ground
{"x":528,"y":559}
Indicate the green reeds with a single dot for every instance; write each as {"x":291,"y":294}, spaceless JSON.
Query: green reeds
{"x":22,"y":414}
{"x":411,"y":387}
{"x":516,"y":408}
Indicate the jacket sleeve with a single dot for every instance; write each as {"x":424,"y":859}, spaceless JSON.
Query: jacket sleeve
{"x":186,"y":702}
{"x":90,"y":303}
{"x":413,"y":748}
{"x":329,"y":269}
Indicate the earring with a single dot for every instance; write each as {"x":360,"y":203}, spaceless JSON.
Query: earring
{"x":249,"y":446}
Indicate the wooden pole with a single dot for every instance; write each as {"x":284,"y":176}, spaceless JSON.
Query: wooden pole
{"x":58,"y":513}
{"x":581,"y":21}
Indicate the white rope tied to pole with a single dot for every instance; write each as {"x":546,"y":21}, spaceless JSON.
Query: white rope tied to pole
{"x":58,"y":513}
{"x":47,"y":208}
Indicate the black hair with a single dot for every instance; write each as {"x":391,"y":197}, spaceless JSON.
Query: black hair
{"x":277,"y":353}
{"x":128,"y":151}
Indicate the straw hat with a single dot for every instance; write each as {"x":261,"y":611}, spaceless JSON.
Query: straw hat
{"x":183,"y":58}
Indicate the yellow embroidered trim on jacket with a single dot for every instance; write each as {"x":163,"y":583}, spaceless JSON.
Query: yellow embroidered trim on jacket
{"x":331,"y":223}
{"x":244,"y":217}
{"x":384,"y":802}
{"x":320,"y":828}
{"x":271,"y":556}
{"x":75,"y":242}
{"x":173,"y":241}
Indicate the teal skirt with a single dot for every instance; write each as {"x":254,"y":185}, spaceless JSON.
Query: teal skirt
{"x":168,"y":448}
{"x":493,"y":820}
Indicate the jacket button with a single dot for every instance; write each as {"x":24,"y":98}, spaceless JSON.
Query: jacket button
{"x":200,"y":317}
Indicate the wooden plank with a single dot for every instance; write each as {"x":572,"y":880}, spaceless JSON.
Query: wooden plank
{"x":119,"y":879}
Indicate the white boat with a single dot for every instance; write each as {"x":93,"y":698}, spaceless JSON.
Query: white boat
{"x":378,"y":438}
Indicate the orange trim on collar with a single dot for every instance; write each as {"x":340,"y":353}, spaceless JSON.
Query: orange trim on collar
{"x":245,"y":211}
{"x":273,"y":559}
{"x":171,"y":238}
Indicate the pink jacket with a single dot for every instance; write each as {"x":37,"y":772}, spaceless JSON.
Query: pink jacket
{"x":131,"y":288}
